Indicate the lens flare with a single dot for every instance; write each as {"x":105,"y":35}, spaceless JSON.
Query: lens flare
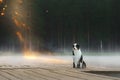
{"x":31,"y":54}
{"x":20,"y":36}
{"x":23,"y":29}
{"x":16,"y":22}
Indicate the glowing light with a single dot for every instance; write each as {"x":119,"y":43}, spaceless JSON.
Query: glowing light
{"x":19,"y":12}
{"x":1,"y":1}
{"x":6,"y":5}
{"x":30,"y":57}
{"x":58,"y":61}
{"x":16,"y":13}
{"x":30,"y":54}
{"x":16,"y":22}
{"x":50,"y":59}
{"x":3,"y":9}
{"x":2,"y":14}
{"x":24,"y":24}
{"x":46,"y":11}
{"x":20,"y":36}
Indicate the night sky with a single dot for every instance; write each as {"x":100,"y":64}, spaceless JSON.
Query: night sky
{"x":59,"y":23}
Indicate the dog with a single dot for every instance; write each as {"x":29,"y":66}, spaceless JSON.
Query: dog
{"x":78,"y":57}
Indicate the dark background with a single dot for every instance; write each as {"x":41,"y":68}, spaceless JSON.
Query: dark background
{"x":59,"y":23}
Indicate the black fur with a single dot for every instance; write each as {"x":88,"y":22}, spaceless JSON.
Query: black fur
{"x":81,"y":61}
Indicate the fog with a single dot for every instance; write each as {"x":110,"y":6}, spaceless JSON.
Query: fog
{"x":108,"y":62}
{"x":105,"y":62}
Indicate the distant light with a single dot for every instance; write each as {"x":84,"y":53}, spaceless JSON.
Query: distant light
{"x":3,"y":9}
{"x":46,"y":11}
{"x":6,"y":5}
{"x":16,"y":13}
{"x":24,"y":24}
{"x":2,"y":14}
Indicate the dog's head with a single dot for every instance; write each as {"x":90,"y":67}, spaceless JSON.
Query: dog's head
{"x":76,"y":46}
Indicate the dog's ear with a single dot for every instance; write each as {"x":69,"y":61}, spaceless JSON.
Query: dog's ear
{"x":77,"y":46}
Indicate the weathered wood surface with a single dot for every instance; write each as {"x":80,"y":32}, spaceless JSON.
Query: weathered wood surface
{"x":49,"y":72}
